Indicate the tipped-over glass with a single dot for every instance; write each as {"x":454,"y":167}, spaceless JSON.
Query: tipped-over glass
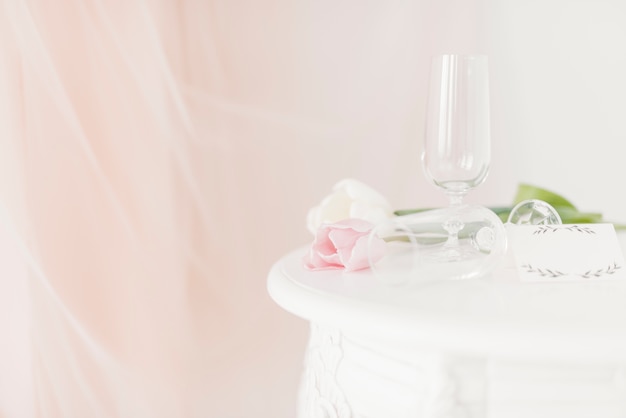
{"x":411,"y":241}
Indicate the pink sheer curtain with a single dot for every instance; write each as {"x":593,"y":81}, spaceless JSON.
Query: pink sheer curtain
{"x":157,"y":157}
{"x":137,"y":266}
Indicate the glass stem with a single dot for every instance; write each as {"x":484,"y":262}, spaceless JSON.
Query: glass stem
{"x":454,"y":224}
{"x":456,"y":198}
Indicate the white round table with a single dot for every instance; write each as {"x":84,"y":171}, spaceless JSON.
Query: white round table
{"x":491,"y":347}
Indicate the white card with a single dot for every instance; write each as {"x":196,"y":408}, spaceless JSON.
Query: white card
{"x":565,"y":253}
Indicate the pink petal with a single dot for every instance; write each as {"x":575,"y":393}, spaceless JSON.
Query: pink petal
{"x":362,"y":248}
{"x":316,"y":260}
{"x":343,"y":244}
{"x":343,"y":239}
{"x":322,"y":242}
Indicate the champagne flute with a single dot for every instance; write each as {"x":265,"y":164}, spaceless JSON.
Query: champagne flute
{"x":460,"y":241}
{"x":457,"y":148}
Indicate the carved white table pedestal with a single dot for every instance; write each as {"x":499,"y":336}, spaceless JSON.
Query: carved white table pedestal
{"x":481,"y":348}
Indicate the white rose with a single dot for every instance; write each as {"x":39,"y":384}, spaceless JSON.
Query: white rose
{"x":350,"y":199}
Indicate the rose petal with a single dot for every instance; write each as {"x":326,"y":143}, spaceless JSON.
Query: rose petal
{"x":364,"y":250}
{"x":332,"y":209}
{"x":346,"y":237}
{"x":365,"y":211}
{"x":343,"y":238}
{"x":344,"y":244}
{"x":322,"y":243}
{"x":322,"y":253}
{"x":359,"y":225}
{"x":314,"y":261}
{"x":350,"y":199}
{"x":344,"y":241}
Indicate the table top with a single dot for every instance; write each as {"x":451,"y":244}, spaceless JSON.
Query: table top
{"x":493,"y":316}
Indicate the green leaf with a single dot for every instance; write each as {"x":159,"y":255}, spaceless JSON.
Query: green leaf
{"x":527,"y":191}
{"x":573,"y":216}
{"x":567,"y":214}
{"x":403,"y":212}
{"x":567,"y":211}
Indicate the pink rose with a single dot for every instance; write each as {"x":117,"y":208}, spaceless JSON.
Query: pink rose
{"x":343,"y":245}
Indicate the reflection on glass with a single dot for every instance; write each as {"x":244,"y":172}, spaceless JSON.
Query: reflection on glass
{"x":534,"y":212}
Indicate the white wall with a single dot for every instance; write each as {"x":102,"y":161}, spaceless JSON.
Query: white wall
{"x":559,"y":96}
